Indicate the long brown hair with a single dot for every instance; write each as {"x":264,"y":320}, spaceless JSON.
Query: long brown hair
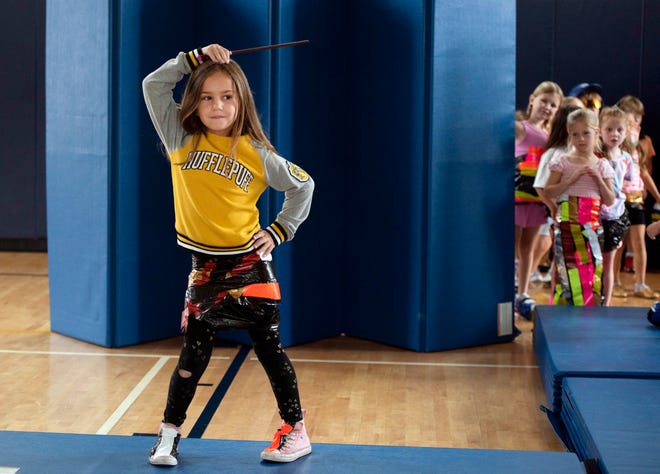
{"x":247,"y":118}
{"x":558,"y":137}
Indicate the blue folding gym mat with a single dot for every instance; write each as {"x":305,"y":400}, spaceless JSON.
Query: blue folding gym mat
{"x":579,"y":341}
{"x":615,"y":422}
{"x":55,"y":453}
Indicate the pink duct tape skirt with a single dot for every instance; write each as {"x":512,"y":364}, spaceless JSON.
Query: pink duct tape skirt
{"x":578,"y":256}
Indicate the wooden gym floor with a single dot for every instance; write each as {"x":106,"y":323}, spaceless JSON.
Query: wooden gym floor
{"x":355,"y":391}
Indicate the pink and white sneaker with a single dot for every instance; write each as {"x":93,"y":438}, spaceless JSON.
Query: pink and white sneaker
{"x":289,"y":444}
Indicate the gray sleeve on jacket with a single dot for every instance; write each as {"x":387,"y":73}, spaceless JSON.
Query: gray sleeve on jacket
{"x":157,"y":88}
{"x":298,"y":188}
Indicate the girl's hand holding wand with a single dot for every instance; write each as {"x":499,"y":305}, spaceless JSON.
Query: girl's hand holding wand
{"x":217,"y":53}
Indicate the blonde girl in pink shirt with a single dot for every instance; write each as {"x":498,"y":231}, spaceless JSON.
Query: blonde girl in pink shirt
{"x":530,"y":212}
{"x":580,"y":182}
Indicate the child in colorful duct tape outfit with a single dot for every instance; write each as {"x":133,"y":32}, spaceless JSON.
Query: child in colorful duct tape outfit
{"x":557,"y":145}
{"x":580,"y":181}
{"x":221,"y":162}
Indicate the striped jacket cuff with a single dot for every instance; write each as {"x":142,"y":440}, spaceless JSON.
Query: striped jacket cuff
{"x":278,"y":233}
{"x":194,"y":58}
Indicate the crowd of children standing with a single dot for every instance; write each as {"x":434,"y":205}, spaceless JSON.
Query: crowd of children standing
{"x":582,"y":177}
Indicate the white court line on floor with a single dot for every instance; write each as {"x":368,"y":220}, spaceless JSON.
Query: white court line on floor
{"x":135,"y":393}
{"x":99,"y":354}
{"x":319,"y":361}
{"x":429,"y":364}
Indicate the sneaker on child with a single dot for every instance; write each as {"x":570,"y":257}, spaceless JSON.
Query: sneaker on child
{"x":525,"y":305}
{"x":165,"y":451}
{"x":643,"y":291}
{"x":289,"y":444}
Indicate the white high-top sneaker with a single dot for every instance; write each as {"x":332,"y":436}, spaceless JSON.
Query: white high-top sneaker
{"x":165,"y":451}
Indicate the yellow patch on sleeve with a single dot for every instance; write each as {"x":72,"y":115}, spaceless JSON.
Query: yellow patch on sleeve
{"x":298,"y":173}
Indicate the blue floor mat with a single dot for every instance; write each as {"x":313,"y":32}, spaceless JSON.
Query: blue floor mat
{"x":615,"y":422}
{"x":574,"y":341}
{"x":55,"y":453}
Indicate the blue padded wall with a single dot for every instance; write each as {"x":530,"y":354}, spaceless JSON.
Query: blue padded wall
{"x":469,"y":261}
{"x":430,"y":204}
{"x":149,"y":272}
{"x":384,"y":170}
{"x":78,"y":167}
{"x":308,"y":105}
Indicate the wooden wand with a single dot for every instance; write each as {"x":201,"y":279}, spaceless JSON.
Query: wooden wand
{"x":270,"y":46}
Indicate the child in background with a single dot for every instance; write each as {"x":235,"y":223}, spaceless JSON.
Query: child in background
{"x":221,"y":162}
{"x":530,"y":212}
{"x":631,"y":103}
{"x":614,"y":218}
{"x":635,"y":189}
{"x":557,"y":145}
{"x":579,"y":181}
{"x":590,"y":94}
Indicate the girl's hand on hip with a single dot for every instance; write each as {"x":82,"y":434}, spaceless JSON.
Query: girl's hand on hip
{"x":263,"y":243}
{"x":217,"y":53}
